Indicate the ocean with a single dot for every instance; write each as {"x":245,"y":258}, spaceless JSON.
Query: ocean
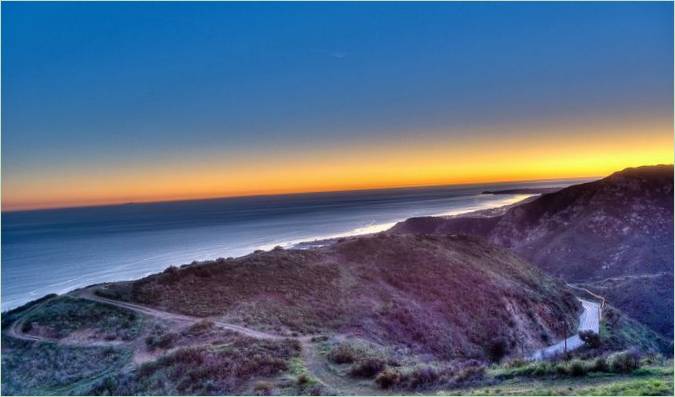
{"x":55,"y":251}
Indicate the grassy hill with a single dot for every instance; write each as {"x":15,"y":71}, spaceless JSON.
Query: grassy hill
{"x":448,"y":296}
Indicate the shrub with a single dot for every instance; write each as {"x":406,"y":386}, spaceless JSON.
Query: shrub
{"x":423,"y":377}
{"x":303,"y":379}
{"x":470,"y":373}
{"x":590,"y":338}
{"x":164,"y":341}
{"x":343,"y":354}
{"x":600,"y":365}
{"x":515,"y":363}
{"x":577,"y":368}
{"x":624,"y":362}
{"x":200,"y":327}
{"x":388,"y":378}
{"x":561,"y":368}
{"x":27,"y":326}
{"x":541,"y":369}
{"x":368,"y":367}
{"x":496,"y":350}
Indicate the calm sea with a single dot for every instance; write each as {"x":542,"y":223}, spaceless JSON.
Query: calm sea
{"x":58,"y":250}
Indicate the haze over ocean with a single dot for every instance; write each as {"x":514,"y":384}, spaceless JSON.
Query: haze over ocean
{"x":54,"y":251}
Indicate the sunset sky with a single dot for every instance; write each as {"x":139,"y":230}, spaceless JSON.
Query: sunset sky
{"x":118,"y":102}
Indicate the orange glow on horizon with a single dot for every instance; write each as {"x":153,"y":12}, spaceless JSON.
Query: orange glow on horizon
{"x":591,"y":150}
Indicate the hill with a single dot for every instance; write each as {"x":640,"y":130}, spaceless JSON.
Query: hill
{"x":621,"y":225}
{"x":639,"y":295}
{"x":448,"y":296}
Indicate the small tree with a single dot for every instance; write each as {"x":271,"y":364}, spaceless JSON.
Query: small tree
{"x":590,"y":338}
{"x":496,"y":350}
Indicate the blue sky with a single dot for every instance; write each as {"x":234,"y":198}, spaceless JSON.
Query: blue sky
{"x":105,"y":85}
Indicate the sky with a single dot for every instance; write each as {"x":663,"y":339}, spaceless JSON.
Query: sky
{"x":128,"y":102}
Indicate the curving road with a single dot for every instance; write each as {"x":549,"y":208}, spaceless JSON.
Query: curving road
{"x":588,"y":321}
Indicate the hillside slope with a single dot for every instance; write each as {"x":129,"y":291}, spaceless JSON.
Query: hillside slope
{"x":451,"y":297}
{"x":621,"y":225}
{"x":639,"y":295}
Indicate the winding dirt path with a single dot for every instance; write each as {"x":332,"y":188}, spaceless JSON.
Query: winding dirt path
{"x":15,"y":331}
{"x":314,"y":362}
{"x":316,"y":365}
{"x":182,"y":318}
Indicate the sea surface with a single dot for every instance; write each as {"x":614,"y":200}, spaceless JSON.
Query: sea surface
{"x":59,"y":250}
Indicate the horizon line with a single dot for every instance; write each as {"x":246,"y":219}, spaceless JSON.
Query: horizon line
{"x":235,"y":196}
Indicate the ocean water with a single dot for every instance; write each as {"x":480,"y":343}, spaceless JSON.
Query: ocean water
{"x":58,"y":250}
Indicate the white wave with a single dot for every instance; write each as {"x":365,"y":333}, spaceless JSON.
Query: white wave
{"x":381,"y":227}
{"x":487,"y":205}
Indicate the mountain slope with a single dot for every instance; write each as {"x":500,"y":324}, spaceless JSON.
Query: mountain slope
{"x":621,"y":225}
{"x":638,"y":296}
{"x":452,"y":297}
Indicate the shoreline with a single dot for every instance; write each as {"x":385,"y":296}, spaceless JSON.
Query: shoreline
{"x":501,"y":202}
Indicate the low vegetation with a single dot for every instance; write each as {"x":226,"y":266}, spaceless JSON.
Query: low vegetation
{"x":448,"y":296}
{"x":30,"y":368}
{"x":650,"y":379}
{"x":62,"y":316}
{"x":619,"y":332}
{"x":10,"y":316}
{"x":205,"y":369}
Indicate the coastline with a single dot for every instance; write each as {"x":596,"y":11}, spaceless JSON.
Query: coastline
{"x":116,"y":273}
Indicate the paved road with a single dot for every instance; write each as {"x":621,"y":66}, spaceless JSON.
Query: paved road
{"x":588,"y":321}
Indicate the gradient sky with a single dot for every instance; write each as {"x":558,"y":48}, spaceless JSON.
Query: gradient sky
{"x":118,"y":102}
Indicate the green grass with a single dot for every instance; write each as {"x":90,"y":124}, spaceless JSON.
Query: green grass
{"x":650,"y":380}
{"x":637,"y":387}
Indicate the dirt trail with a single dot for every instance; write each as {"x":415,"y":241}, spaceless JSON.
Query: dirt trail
{"x":315,"y":364}
{"x":15,"y":331}
{"x":319,"y":367}
{"x":182,"y":318}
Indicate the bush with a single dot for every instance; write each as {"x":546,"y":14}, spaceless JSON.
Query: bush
{"x":423,"y":377}
{"x":200,"y":327}
{"x":388,"y":378}
{"x":496,"y":350}
{"x":624,"y":362}
{"x":577,"y":368}
{"x":600,"y":365}
{"x":516,"y":363}
{"x":590,"y":338}
{"x":164,"y":341}
{"x":368,"y":368}
{"x":26,"y":327}
{"x":303,"y":379}
{"x":342,"y":354}
{"x":470,"y":373}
